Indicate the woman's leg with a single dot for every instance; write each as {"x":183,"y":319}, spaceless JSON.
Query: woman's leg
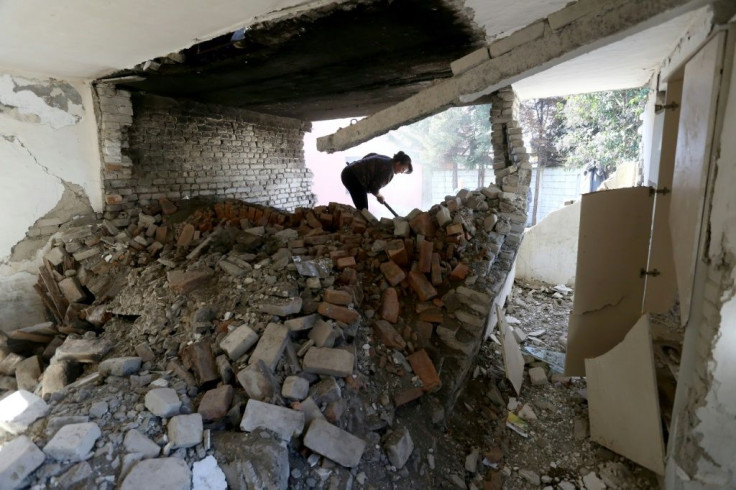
{"x":356,"y":190}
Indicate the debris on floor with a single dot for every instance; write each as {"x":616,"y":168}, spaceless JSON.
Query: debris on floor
{"x":239,"y":345}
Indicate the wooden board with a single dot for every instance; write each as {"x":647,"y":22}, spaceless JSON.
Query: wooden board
{"x":622,"y":399}
{"x":613,"y":246}
{"x":513,"y":361}
{"x":661,"y":291}
{"x":694,"y":141}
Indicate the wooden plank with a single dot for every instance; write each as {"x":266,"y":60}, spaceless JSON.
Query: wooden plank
{"x":513,"y":361}
{"x":694,"y":142}
{"x":622,"y":399}
{"x":613,"y":245}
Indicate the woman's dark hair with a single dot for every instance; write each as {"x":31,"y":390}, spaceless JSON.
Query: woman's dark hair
{"x":404,"y":159}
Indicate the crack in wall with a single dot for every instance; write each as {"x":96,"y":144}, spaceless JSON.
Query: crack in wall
{"x":51,"y":102}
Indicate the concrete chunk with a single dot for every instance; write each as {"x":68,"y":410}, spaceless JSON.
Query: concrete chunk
{"x":302,"y":322}
{"x":323,"y":360}
{"x":18,"y":459}
{"x":27,"y":373}
{"x":469,"y":61}
{"x":162,"y":402}
{"x":238,"y":342}
{"x":82,"y":350}
{"x":167,"y":473}
{"x":185,"y":430}
{"x":283,"y":421}
{"x":73,"y":442}
{"x":135,"y":442}
{"x":271,"y":345}
{"x":295,"y":388}
{"x":538,"y":376}
{"x":323,"y":334}
{"x":291,"y":307}
{"x":334,"y":443}
{"x":19,"y":410}
{"x":398,"y":446}
{"x":120,"y":366}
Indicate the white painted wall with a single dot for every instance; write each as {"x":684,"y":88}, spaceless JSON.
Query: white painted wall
{"x":549,"y":250}
{"x":44,"y":139}
{"x":717,"y":427}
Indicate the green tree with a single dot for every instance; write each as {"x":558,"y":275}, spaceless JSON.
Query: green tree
{"x":602,"y":129}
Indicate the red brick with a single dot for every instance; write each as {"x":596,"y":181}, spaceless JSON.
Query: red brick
{"x":425,"y":256}
{"x":423,"y":367}
{"x":317,"y":239}
{"x":338,"y":254}
{"x":348,"y":276}
{"x":454,"y":229}
{"x":396,"y":251}
{"x":422,"y":225}
{"x":113,"y":198}
{"x":358,"y":226}
{"x":388,"y":334}
{"x":344,"y":262}
{"x":216,"y":403}
{"x":184,"y":282}
{"x":436,"y":270}
{"x":198,"y":358}
{"x":167,"y":207}
{"x":336,"y":297}
{"x":312,"y":220}
{"x":185,"y":236}
{"x":392,"y":272}
{"x":424,"y":331}
{"x":493,"y":481}
{"x":432,"y":315}
{"x":402,"y":397}
{"x":390,"y":305}
{"x":421,"y":286}
{"x":339,"y":313}
{"x":460,"y":272}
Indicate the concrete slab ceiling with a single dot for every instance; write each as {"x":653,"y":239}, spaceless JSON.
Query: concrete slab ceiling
{"x":625,"y":64}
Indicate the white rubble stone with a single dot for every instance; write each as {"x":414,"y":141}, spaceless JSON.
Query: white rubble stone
{"x":19,"y":410}
{"x":592,"y":482}
{"x":255,"y":383}
{"x":531,"y":477}
{"x":334,"y":443}
{"x":18,"y":459}
{"x":295,"y":388}
{"x":527,"y":413}
{"x":443,"y":216}
{"x":207,"y":475}
{"x":120,"y":366}
{"x":398,"y":446}
{"x":538,"y":376}
{"x":73,"y":442}
{"x":163,"y":402}
{"x":283,"y":421}
{"x":166,"y":473}
{"x":238,"y":342}
{"x":135,"y":442}
{"x":333,"y":362}
{"x":98,"y":409}
{"x":401,"y":228}
{"x":185,"y":430}
{"x":271,"y":346}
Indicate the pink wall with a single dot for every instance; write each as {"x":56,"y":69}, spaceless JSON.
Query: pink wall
{"x":403,"y":193}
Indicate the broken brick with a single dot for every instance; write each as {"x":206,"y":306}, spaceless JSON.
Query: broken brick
{"x":187,"y":281}
{"x":393,"y":273}
{"x":185,"y":237}
{"x":425,"y":256}
{"x":460,"y":272}
{"x":454,"y":229}
{"x":436,"y":270}
{"x":423,"y":367}
{"x":167,"y":207}
{"x":71,"y":290}
{"x":390,"y":305}
{"x":337,"y":297}
{"x":388,"y":334}
{"x":344,"y":262}
{"x":339,"y":313}
{"x":216,"y":403}
{"x":403,"y":397}
{"x":421,"y":286}
{"x":198,"y":358}
{"x":422,"y":225}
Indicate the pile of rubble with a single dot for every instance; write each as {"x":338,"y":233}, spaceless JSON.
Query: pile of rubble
{"x":243,"y":344}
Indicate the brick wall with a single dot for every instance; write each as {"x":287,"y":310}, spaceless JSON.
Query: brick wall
{"x":154,"y":147}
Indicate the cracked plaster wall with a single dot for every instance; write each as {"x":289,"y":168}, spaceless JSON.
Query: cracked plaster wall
{"x":48,"y":150}
{"x":706,"y":420}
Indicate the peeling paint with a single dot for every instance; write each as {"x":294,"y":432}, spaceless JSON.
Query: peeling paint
{"x":54,"y":103}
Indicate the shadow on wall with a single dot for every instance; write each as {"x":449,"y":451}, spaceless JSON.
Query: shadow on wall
{"x":549,"y":250}
{"x":403,"y":193}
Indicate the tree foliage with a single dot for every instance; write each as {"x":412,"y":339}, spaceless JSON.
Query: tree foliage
{"x":602,"y":128}
{"x":543,"y":121}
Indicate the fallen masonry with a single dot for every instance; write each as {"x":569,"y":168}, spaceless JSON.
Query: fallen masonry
{"x":311,"y":335}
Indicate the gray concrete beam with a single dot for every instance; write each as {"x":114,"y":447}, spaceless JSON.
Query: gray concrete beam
{"x":589,"y":24}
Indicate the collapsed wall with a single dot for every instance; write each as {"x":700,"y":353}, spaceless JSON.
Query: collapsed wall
{"x":155,"y":147}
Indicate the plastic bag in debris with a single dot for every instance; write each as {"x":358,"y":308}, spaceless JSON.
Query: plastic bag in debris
{"x":556,"y":360}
